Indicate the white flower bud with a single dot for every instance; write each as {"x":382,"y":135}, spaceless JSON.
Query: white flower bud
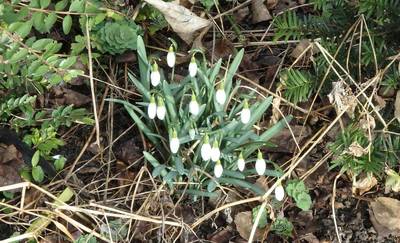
{"x":152,"y":108}
{"x":206,"y":149}
{"x":174,"y":143}
{"x":193,"y":67}
{"x":215,"y":153}
{"x":155,"y":75}
{"x":192,"y":133}
{"x":194,"y":106}
{"x":171,"y":57}
{"x":241,"y":162}
{"x":161,"y":110}
{"x":245,"y":114}
{"x":260,"y":164}
{"x":218,"y":169}
{"x":279,"y":192}
{"x":220,"y":95}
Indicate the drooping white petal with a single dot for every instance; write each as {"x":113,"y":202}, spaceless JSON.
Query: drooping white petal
{"x":241,"y":164}
{"x":194,"y":107}
{"x":260,"y":166}
{"x":171,"y":58}
{"x":218,"y":169}
{"x":152,"y":110}
{"x":206,"y":151}
{"x":174,"y":145}
{"x":279,"y":193}
{"x":215,"y":153}
{"x":192,"y":69}
{"x":245,"y":115}
{"x":220,"y":96}
{"x":155,"y":78}
{"x":161,"y":112}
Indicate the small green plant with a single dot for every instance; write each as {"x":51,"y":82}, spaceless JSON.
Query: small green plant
{"x":263,"y":218}
{"x":297,"y":85}
{"x":203,"y":124}
{"x":116,"y":37}
{"x":282,"y":227}
{"x":299,"y":192}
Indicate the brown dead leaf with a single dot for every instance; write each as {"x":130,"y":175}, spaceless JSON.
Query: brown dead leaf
{"x":385,"y":216}
{"x":364,"y":184}
{"x":222,"y":48}
{"x":11,"y":164}
{"x":182,"y":20}
{"x":343,"y":98}
{"x":64,"y":96}
{"x":244,"y":223}
{"x":241,"y":14}
{"x":397,"y":106}
{"x":356,"y":150}
{"x":260,"y":11}
{"x":303,"y":49}
{"x":221,"y":236}
{"x":9,"y":153}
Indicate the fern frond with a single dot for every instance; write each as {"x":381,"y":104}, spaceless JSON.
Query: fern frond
{"x":297,"y":85}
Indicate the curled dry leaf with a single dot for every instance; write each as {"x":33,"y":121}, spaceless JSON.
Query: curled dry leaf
{"x":356,"y":150}
{"x":182,"y":20}
{"x":385,"y":216}
{"x":343,"y":98}
{"x":367,"y":123}
{"x":304,"y":49}
{"x":276,"y":115}
{"x":364,"y":184}
{"x":244,"y":223}
{"x":260,"y":11}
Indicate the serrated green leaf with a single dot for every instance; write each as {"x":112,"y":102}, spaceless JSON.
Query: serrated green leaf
{"x":44,"y":3}
{"x":21,"y":28}
{"x":67,"y":23}
{"x":37,"y":173}
{"x":68,"y":62}
{"x":21,"y":54}
{"x":61,"y":5}
{"x":35,"y":158}
{"x":77,"y":6}
{"x":263,"y":217}
{"x":50,"y":20}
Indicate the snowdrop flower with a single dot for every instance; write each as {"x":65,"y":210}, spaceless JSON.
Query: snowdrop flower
{"x":279,"y":192}
{"x":152,"y":108}
{"x":215,"y":153}
{"x":245,"y":114}
{"x":260,"y":164}
{"x":220,"y":95}
{"x":193,"y":67}
{"x":241,"y":162}
{"x":194,"y":106}
{"x":174,"y":142}
{"x":206,"y":149}
{"x":155,"y":75}
{"x":218,"y":169}
{"x":171,"y":57}
{"x":161,"y":110}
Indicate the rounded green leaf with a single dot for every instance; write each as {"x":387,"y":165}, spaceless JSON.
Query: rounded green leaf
{"x":35,"y":158}
{"x":61,"y":5}
{"x":50,"y":20}
{"x":21,"y":28}
{"x":37,"y":173}
{"x":67,"y":23}
{"x":21,"y":54}
{"x":44,"y":3}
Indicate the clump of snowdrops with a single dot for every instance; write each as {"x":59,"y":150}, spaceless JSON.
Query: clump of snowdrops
{"x":203,"y":126}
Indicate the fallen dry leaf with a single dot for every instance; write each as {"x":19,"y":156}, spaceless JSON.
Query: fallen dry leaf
{"x":397,"y":106}
{"x":259,"y":11}
{"x":221,"y":236}
{"x":11,"y":164}
{"x":244,"y":223}
{"x":356,"y":150}
{"x":184,"y":22}
{"x":385,"y":216}
{"x":64,"y":96}
{"x":343,"y":98}
{"x":303,"y":49}
{"x":364,"y":184}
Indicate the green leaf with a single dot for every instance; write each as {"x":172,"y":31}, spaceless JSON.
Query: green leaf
{"x":37,"y":174}
{"x":41,"y":71}
{"x":61,"y":5}
{"x":41,"y":44}
{"x":157,"y":170}
{"x":68,"y":62}
{"x":35,"y":158}
{"x":77,"y":6}
{"x":50,"y":20}
{"x":38,"y":21}
{"x":232,"y":70}
{"x":21,"y":28}
{"x":60,"y":163}
{"x":263,"y":218}
{"x":44,"y":3}
{"x":303,"y":201}
{"x":21,"y":54}
{"x":67,"y":23}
